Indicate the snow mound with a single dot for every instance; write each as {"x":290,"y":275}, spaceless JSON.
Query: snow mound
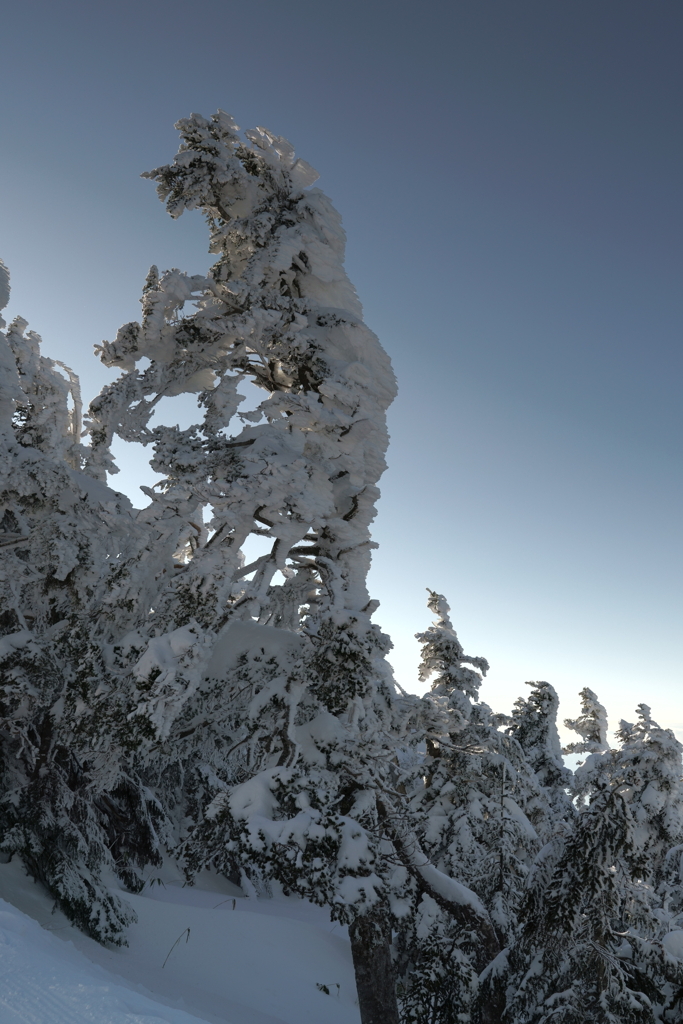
{"x":673,"y":943}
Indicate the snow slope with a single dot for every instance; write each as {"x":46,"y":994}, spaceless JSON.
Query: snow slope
{"x":243,"y":961}
{"x":45,"y":981}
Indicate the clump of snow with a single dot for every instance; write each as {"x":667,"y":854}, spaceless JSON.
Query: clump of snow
{"x":245,"y":637}
{"x":673,"y":943}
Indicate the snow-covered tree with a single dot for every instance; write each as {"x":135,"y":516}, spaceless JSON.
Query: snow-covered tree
{"x":570,"y":964}
{"x":591,"y":725}
{"x":484,"y":814}
{"x":648,"y":764}
{"x":471,"y":772}
{"x":166,"y":686}
{"x":458,"y":675}
{"x":648,"y":768}
{"x":534,"y":726}
{"x":276,"y":309}
{"x":70,"y":807}
{"x":303,"y":777}
{"x":598,"y":912}
{"x":275,"y":720}
{"x":153,"y":680}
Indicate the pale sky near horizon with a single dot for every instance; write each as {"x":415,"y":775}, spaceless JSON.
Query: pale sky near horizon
{"x":509,"y":174}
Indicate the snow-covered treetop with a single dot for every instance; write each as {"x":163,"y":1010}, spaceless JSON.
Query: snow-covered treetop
{"x":649,"y":755}
{"x":36,"y":394}
{"x":443,"y":656}
{"x":443,"y":653}
{"x":591,"y":725}
{"x":276,"y":309}
{"x":4,"y":288}
{"x":44,"y":419}
{"x":534,"y":726}
{"x":10,"y":391}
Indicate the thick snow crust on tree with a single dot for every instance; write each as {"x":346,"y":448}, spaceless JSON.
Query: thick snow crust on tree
{"x":276,"y":309}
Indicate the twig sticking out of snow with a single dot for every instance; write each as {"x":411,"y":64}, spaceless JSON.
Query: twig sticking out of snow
{"x":186,"y":933}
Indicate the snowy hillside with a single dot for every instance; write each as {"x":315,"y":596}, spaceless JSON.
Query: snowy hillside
{"x":244,"y":961}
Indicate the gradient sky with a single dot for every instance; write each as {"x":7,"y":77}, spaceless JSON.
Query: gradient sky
{"x":509,"y":173}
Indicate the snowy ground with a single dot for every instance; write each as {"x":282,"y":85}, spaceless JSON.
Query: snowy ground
{"x":238,"y":961}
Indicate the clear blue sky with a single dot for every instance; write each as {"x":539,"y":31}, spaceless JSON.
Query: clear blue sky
{"x":509,"y":173}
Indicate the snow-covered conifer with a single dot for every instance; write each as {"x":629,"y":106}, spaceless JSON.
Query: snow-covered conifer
{"x":534,"y":726}
{"x":591,"y":726}
{"x":572,"y":962}
{"x":598,"y":910}
{"x":648,"y":764}
{"x":271,"y":703}
{"x":68,"y":800}
{"x":458,"y":675}
{"x":278,"y":310}
{"x":481,"y":807}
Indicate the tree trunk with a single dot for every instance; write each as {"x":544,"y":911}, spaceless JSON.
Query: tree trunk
{"x":491,"y":1007}
{"x":370,"y":936}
